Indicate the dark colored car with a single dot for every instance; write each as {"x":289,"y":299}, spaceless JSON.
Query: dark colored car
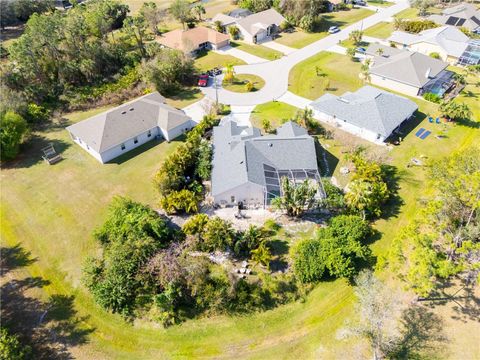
{"x":203,"y":80}
{"x":361,"y":50}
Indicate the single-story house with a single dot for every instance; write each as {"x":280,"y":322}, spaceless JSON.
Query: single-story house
{"x":248,"y":167}
{"x":255,"y":27}
{"x":448,"y":42}
{"x":369,"y":112}
{"x":462,"y":15}
{"x":119,"y":130}
{"x":410,"y":73}
{"x":195,"y":39}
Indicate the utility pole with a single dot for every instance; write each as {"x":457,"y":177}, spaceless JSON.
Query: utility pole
{"x":215,"y":86}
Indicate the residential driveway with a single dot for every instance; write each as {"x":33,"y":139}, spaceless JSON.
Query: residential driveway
{"x":279,"y":47}
{"x":338,"y":49}
{"x":196,"y":111}
{"x":241,"y":115}
{"x":242,"y":55}
{"x":294,"y":100}
{"x":275,"y":73}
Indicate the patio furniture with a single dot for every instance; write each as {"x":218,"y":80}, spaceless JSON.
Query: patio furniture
{"x":430,"y":119}
{"x":50,"y":155}
{"x":437,"y":120}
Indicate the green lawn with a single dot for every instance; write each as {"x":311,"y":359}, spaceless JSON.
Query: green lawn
{"x":277,"y":112}
{"x":257,"y":50}
{"x":337,"y":74}
{"x":382,"y":30}
{"x":238,"y":85}
{"x":299,"y":39}
{"x":212,"y":59}
{"x":185,"y":97}
{"x":379,"y":3}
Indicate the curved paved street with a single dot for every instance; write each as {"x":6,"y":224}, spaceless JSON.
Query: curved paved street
{"x":275,"y":73}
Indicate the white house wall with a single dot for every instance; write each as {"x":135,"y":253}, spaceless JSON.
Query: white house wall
{"x":177,"y":131}
{"x":246,"y":36}
{"x":394,"y":85}
{"x":116,"y":151}
{"x":248,"y":193}
{"x":85,"y":147}
{"x":350,"y":128}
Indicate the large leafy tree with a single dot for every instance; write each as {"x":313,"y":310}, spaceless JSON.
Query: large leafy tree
{"x":131,"y":234}
{"x":11,"y":348}
{"x":153,"y":15}
{"x":307,"y":260}
{"x":455,"y":111}
{"x":296,"y":198}
{"x":181,"y":11}
{"x":12,"y":130}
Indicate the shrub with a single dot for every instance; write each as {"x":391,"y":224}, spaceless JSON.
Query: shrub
{"x":195,"y":224}
{"x":432,"y":97}
{"x":182,"y":201}
{"x":434,"y":55}
{"x":415,"y":26}
{"x":248,"y":86}
{"x":307,"y":23}
{"x":204,"y":160}
{"x":13,"y":128}
{"x":218,"y":235}
{"x":11,"y":348}
{"x":307,"y":263}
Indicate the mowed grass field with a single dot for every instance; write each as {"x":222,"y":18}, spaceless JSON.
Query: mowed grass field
{"x":276,"y":112}
{"x":257,"y":50}
{"x":336,"y":74}
{"x":299,"y":38}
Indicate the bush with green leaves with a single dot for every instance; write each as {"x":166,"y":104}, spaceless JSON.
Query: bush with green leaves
{"x":334,"y":197}
{"x":204,"y":160}
{"x":416,"y":26}
{"x":296,"y":199}
{"x":432,"y":97}
{"x":182,"y":201}
{"x":13,"y":128}
{"x":11,"y":348}
{"x":307,"y":260}
{"x":131,"y":234}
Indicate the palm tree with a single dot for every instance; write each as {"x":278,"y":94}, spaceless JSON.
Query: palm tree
{"x":199,"y":9}
{"x":262,"y":255}
{"x":229,"y":73}
{"x":218,"y":26}
{"x":233,"y":31}
{"x":358,"y":196}
{"x":379,"y":51}
{"x":365,"y":70}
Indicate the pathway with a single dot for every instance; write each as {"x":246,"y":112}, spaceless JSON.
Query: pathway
{"x":279,"y":47}
{"x":240,"y":54}
{"x":275,"y":73}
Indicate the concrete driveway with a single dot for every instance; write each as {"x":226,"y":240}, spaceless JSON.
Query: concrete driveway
{"x":275,"y":73}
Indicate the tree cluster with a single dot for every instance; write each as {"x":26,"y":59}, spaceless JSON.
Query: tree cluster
{"x":11,"y":347}
{"x":15,"y":12}
{"x":445,"y":240}
{"x":304,"y":14}
{"x":337,"y":250}
{"x":414,"y":26}
{"x":179,"y":178}
{"x":368,"y":188}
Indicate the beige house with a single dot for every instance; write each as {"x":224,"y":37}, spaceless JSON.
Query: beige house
{"x":448,"y":42}
{"x":410,"y":73}
{"x":253,"y":28}
{"x":195,"y":39}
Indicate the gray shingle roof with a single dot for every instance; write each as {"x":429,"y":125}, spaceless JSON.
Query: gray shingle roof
{"x":253,"y":23}
{"x":369,"y":108}
{"x":111,"y":128}
{"x":407,"y":67}
{"x":464,"y":15}
{"x":241,"y":152}
{"x":450,"y":39}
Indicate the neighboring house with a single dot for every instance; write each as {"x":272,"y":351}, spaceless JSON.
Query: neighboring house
{"x":247,"y":167}
{"x":117,"y":131}
{"x":370,"y":113}
{"x":240,"y":13}
{"x":448,"y":42}
{"x":462,"y":15}
{"x":255,"y":27}
{"x":410,"y":73}
{"x":195,"y":39}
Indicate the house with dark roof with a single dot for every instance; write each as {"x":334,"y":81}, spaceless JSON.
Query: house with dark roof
{"x":248,"y":167}
{"x":254,"y":27}
{"x":448,"y":42}
{"x":369,"y":112}
{"x":408,"y":72}
{"x":461,"y":15}
{"x":119,"y":130}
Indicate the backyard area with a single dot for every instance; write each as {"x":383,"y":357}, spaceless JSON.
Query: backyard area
{"x":257,"y":50}
{"x":299,"y":38}
{"x":325,"y":72}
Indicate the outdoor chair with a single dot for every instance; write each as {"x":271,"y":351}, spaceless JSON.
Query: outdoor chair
{"x":50,"y":155}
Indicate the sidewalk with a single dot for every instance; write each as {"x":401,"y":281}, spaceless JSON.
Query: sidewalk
{"x":242,"y":55}
{"x":279,"y":47}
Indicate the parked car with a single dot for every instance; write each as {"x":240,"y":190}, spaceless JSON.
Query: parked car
{"x":333,"y":29}
{"x":360,"y":2}
{"x":203,"y":80}
{"x":361,"y":50}
{"x":214,"y":71}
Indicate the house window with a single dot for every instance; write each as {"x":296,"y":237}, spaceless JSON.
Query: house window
{"x":135,"y":140}
{"x":149,"y":133}
{"x":122,"y":146}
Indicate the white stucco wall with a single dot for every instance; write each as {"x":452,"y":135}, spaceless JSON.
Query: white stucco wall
{"x":350,"y":128}
{"x":84,"y":146}
{"x":245,"y":35}
{"x":394,"y":85}
{"x":248,"y":193}
{"x":176,"y":132}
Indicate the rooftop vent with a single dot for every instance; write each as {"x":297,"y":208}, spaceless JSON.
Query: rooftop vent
{"x":124,"y":112}
{"x":270,"y":145}
{"x":131,"y":109}
{"x":344,"y":100}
